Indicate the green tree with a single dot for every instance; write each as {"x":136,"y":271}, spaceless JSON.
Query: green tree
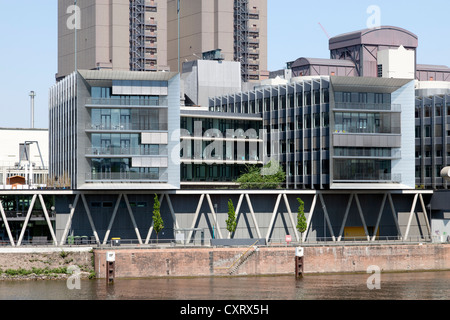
{"x":301,"y":219}
{"x":270,"y":176}
{"x":231,"y":221}
{"x":158,"y":223}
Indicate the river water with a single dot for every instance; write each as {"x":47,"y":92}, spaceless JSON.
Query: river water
{"x":392,"y":286}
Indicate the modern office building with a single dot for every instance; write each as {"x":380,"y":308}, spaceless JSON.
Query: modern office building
{"x":118,"y":35}
{"x":237,"y":27}
{"x":116,"y":130}
{"x":344,"y":136}
{"x":335,"y":132}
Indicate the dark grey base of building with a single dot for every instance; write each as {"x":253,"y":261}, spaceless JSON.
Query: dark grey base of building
{"x":194,"y":217}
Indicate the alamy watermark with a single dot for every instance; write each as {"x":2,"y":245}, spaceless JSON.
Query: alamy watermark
{"x":214,"y":147}
{"x":74,"y":20}
{"x":374,"y":20}
{"x":74,"y":281}
{"x":374,"y":281}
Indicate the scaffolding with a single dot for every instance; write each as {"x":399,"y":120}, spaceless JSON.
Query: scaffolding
{"x":142,"y":37}
{"x":244,"y":45}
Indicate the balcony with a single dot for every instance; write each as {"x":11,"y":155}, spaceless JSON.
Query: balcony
{"x":372,"y":178}
{"x":253,"y":30}
{"x":127,"y":127}
{"x":253,"y":14}
{"x":124,"y":177}
{"x":126,"y":101}
{"x":368,"y":106}
{"x":151,"y":34}
{"x":119,"y":151}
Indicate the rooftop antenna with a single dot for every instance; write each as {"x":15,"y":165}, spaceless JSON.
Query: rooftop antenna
{"x":178,"y":19}
{"x":76,"y":43}
{"x":325,"y":31}
{"x":32,"y":95}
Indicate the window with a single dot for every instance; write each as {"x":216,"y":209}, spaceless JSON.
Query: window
{"x":107,"y":204}
{"x":380,"y":71}
{"x":427,"y":131}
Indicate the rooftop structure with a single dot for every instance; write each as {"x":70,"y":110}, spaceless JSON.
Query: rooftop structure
{"x":362,"y":47}
{"x":24,"y":154}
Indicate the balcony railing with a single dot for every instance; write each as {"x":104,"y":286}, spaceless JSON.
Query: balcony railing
{"x":371,"y":178}
{"x":124,"y":177}
{"x":93,"y":152}
{"x":127,"y":101}
{"x":127,"y":127}
{"x":368,"y":106}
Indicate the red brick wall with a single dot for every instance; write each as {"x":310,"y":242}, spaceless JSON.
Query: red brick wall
{"x":271,"y":260}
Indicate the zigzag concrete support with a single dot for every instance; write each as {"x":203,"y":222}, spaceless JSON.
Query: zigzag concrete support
{"x":268,"y":214}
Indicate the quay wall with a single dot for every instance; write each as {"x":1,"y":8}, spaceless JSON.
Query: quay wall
{"x":200,"y":262}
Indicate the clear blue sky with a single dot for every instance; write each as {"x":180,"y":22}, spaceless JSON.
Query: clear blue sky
{"x":28,"y":41}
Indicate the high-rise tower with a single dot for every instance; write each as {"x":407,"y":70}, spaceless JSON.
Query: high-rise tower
{"x":119,"y":35}
{"x":237,"y":27}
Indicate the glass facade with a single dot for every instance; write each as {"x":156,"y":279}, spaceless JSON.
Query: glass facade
{"x":222,"y":125}
{"x":363,"y":152}
{"x":114,"y":169}
{"x":210,"y":173}
{"x":362,"y":170}
{"x":111,"y":152}
{"x":128,"y":119}
{"x":432,"y":147}
{"x":104,"y":96}
{"x":364,"y":122}
{"x":122,"y":144}
{"x":365,"y":113}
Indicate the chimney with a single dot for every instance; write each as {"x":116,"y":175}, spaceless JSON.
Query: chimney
{"x":32,"y":95}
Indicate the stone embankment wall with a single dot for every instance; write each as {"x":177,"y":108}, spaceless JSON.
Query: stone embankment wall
{"x":186,"y":262}
{"x":42,"y":259}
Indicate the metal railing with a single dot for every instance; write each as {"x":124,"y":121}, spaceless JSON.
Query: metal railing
{"x":160,"y":126}
{"x":122,"y":177}
{"x":127,"y":101}
{"x":198,"y":242}
{"x":368,"y":106}
{"x":163,"y":151}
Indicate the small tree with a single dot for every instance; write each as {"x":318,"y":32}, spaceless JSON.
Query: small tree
{"x":255,"y":179}
{"x":158,"y":223}
{"x":231,"y":221}
{"x":301,"y":219}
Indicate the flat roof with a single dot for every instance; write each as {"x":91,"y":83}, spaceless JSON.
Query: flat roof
{"x":384,"y":35}
{"x":126,"y":75}
{"x":322,"y":62}
{"x":23,"y":129}
{"x":367,"y":84}
{"x":430,"y":67}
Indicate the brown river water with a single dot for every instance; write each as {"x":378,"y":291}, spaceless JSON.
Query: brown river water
{"x":392,"y":286}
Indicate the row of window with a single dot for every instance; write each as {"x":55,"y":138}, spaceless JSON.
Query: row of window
{"x":358,"y":122}
{"x":110,"y":204}
{"x":309,"y":98}
{"x":428,"y":171}
{"x":222,"y":125}
{"x":129,"y":119}
{"x":275,"y":103}
{"x":428,"y":111}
